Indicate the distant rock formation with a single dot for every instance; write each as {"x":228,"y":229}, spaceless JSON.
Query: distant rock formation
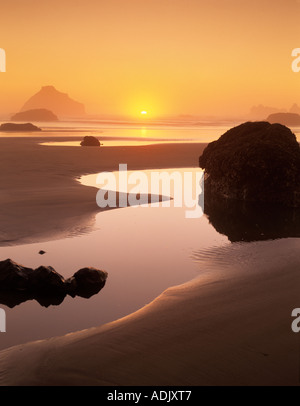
{"x":260,"y":112}
{"x":35,"y":115}
{"x":59,"y":103}
{"x":19,"y":284}
{"x":295,"y":109}
{"x":90,"y":141}
{"x":19,"y":127}
{"x":289,"y":119}
{"x":254,"y":162}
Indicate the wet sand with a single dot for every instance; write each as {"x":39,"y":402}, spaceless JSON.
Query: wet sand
{"x":230,"y":326}
{"x":39,"y":196}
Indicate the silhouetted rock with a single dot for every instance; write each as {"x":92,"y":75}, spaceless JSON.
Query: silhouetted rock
{"x":45,"y":279}
{"x":35,"y":115}
{"x":59,"y":103}
{"x":90,"y":141}
{"x":44,"y":284}
{"x":19,"y":127}
{"x":86,"y":282}
{"x":254,"y":162}
{"x":289,"y":119}
{"x":13,"y":275}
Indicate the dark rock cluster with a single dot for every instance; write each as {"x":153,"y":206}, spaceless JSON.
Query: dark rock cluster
{"x":44,"y":284}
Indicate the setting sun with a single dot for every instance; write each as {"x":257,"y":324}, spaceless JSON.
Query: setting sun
{"x":144,"y":112}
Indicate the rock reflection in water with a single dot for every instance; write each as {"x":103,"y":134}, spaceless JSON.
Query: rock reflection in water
{"x":242,"y":221}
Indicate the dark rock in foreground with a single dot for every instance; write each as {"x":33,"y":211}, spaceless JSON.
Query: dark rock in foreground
{"x":90,"y":141}
{"x":254,"y":162}
{"x":19,"y":127}
{"x":35,"y":115}
{"x":44,"y":284}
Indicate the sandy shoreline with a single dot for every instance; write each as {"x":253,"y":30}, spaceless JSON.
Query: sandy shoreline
{"x":232,"y":327}
{"x":227,"y":327}
{"x":39,"y":196}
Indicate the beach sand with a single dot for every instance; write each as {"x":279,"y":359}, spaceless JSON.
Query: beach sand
{"x":40,"y":198}
{"x":230,"y":326}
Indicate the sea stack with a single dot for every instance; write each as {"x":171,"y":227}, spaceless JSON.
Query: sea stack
{"x":57,"y":102}
{"x":12,"y":127}
{"x":35,"y":115}
{"x":254,"y":162}
{"x":288,"y":119}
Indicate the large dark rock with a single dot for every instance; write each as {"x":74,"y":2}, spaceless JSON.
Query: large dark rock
{"x":7,"y":127}
{"x":254,"y":162}
{"x":35,"y":115}
{"x":44,"y":284}
{"x":90,"y":141}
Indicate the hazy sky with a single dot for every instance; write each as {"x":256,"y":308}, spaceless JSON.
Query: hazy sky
{"x":204,"y":57}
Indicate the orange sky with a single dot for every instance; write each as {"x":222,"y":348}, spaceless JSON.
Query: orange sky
{"x":168,"y":57}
